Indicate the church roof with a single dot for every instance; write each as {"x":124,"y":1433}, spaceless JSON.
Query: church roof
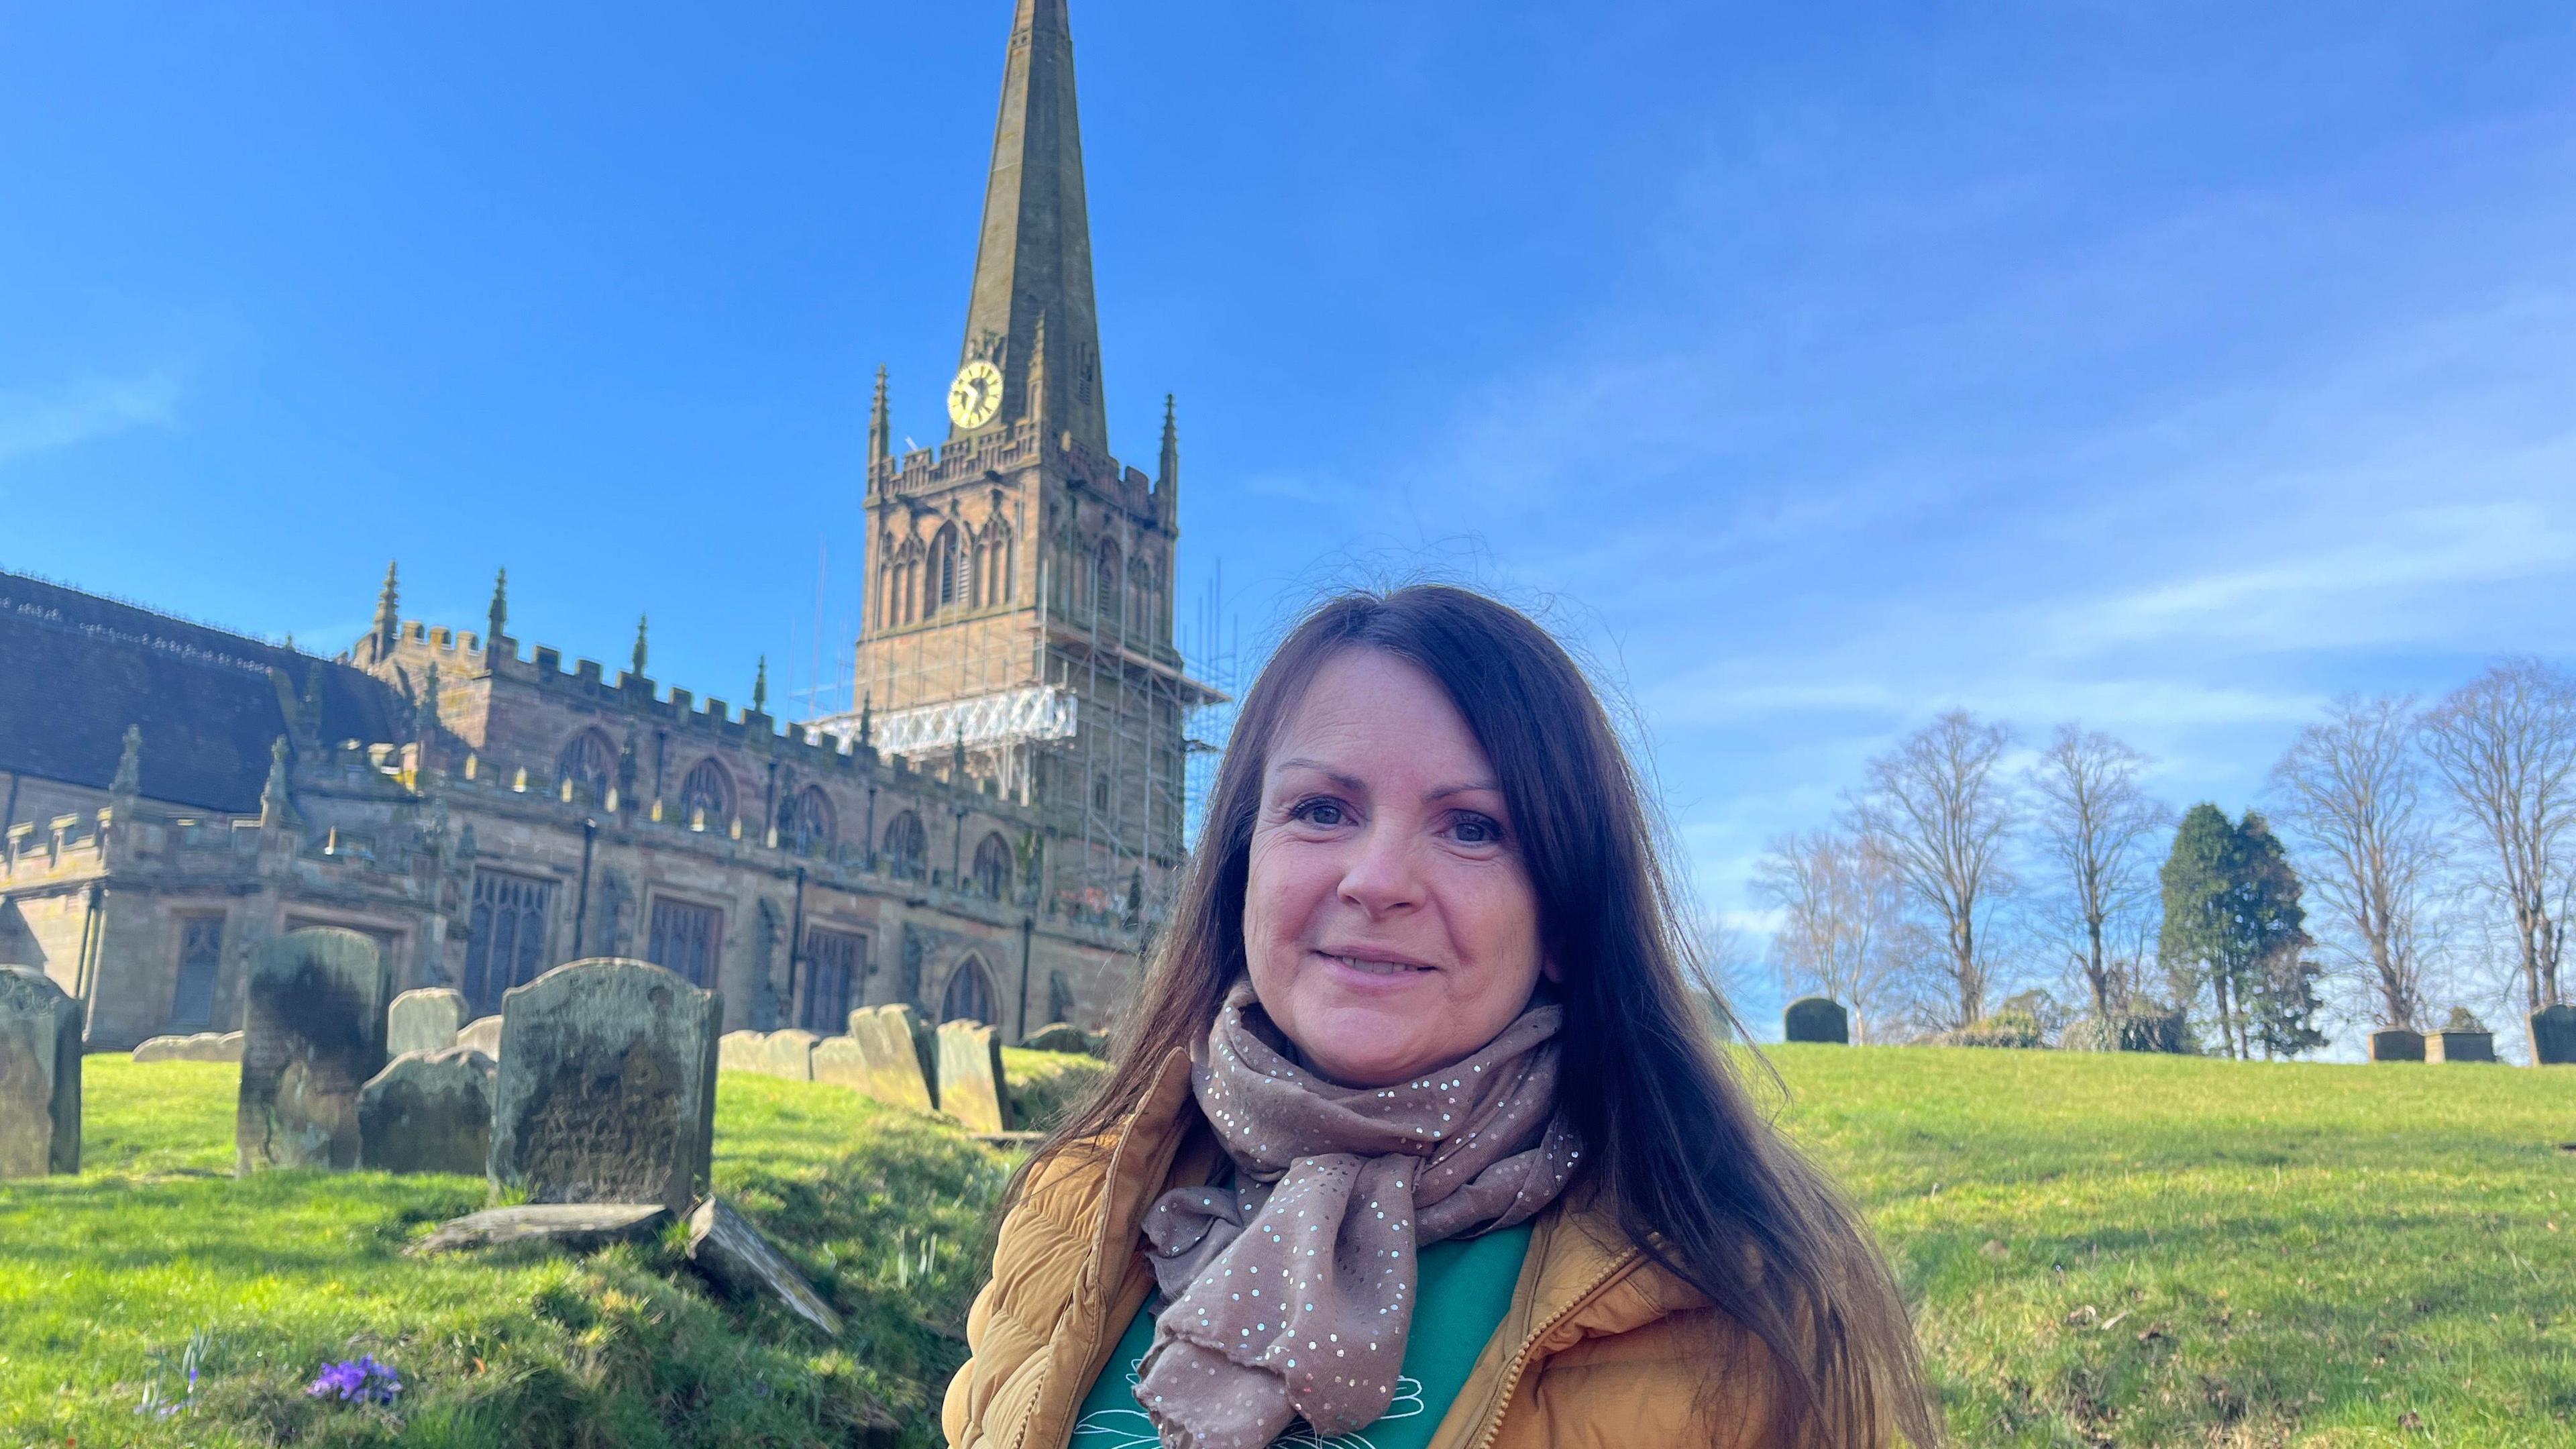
{"x":76,"y":669}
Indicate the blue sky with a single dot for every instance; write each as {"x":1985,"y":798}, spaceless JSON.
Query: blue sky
{"x":2171,"y":367}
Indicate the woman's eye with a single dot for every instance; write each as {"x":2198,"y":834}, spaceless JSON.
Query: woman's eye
{"x":1318,"y":812}
{"x":1477,"y":830}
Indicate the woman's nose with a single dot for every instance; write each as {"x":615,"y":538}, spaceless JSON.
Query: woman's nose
{"x":1383,"y":875}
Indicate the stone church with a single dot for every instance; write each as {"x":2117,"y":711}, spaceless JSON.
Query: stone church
{"x":987,"y":835}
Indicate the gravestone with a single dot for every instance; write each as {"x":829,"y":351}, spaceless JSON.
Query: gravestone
{"x":607,"y":1086}
{"x":425,"y":1020}
{"x":315,"y":1033}
{"x":729,"y":1250}
{"x":2553,"y":1035}
{"x":739,"y":1051}
{"x":227,"y":1048}
{"x":162,"y":1049}
{"x":2459,"y":1046}
{"x":2397,"y":1044}
{"x":788,"y":1055}
{"x":40,"y":1075}
{"x":1062,"y":1036}
{"x":970,"y":1075}
{"x":1816,"y":1018}
{"x":566,"y":1227}
{"x":428,"y":1112}
{"x":890,"y":1066}
{"x":483,"y":1034}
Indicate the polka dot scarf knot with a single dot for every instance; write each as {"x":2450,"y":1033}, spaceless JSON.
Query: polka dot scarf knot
{"x":1289,"y":1291}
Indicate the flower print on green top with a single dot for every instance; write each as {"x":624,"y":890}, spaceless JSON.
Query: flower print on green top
{"x":1463,"y":1288}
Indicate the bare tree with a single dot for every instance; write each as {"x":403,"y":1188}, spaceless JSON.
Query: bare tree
{"x":2351,"y":792}
{"x":2505,"y":744}
{"x":1842,"y":930}
{"x":1938,"y":811}
{"x":2095,"y":830}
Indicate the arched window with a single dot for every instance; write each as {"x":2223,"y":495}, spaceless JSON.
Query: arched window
{"x":992,"y":868}
{"x":707,"y":788}
{"x":589,"y":761}
{"x":970,"y":995}
{"x":907,"y":847}
{"x":810,"y":824}
{"x":1104,"y":586}
{"x":944,"y":571}
{"x":1140,"y":598}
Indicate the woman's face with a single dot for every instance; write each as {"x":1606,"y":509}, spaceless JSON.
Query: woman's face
{"x":1388,"y":919}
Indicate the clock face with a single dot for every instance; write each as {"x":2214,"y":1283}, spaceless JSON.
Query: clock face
{"x":976,"y":395}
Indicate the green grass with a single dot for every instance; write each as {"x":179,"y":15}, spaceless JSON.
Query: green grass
{"x":103,"y":1278}
{"x":2134,"y":1251}
{"x":2137,"y":1250}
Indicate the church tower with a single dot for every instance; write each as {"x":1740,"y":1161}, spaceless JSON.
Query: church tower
{"x":1018,"y":625}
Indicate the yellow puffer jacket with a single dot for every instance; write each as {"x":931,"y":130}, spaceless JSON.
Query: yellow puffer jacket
{"x":1600,"y":1348}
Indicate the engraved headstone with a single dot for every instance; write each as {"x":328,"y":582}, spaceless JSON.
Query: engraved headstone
{"x":2553,"y":1035}
{"x":788,"y":1055}
{"x":315,"y":1033}
{"x":607,"y":1086}
{"x":425,"y":1020}
{"x":890,"y":1065}
{"x":2397,"y":1044}
{"x":428,"y":1112}
{"x":739,"y":1051}
{"x":40,"y":1075}
{"x":483,"y":1034}
{"x":1816,"y":1018}
{"x":970,"y":1075}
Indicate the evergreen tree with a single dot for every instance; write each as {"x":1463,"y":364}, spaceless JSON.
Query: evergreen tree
{"x":2196,"y":941}
{"x":2274,"y":925}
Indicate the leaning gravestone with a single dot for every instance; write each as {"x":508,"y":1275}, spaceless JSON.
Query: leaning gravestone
{"x":606,"y":1091}
{"x":2397,"y":1044}
{"x":428,"y":1112}
{"x":788,"y":1055}
{"x":889,"y":1067}
{"x":483,"y":1034}
{"x":970,"y":1075}
{"x":314,"y":1035}
{"x":40,"y":1075}
{"x":425,"y":1020}
{"x":1816,"y":1018}
{"x":2553,"y":1035}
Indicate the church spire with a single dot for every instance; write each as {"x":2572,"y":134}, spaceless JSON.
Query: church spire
{"x":1034,"y":257}
{"x":1167,"y":479}
{"x":388,"y":615}
{"x":880,"y":439}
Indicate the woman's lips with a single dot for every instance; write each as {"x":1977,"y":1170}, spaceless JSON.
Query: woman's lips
{"x":1371,"y":971}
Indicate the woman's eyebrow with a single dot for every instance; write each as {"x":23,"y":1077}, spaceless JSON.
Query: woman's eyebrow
{"x":1464,"y":787}
{"x":1341,"y":781}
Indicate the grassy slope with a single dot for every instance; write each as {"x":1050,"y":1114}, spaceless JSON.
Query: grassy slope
{"x":100,"y":1274}
{"x":2293,"y":1254}
{"x":2109,"y":1250}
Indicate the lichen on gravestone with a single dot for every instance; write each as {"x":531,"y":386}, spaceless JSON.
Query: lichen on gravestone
{"x":606,"y":1087}
{"x":313,"y":1035}
{"x":40,"y":1075}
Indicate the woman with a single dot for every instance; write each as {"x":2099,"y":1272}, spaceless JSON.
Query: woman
{"x":1416,"y":1135}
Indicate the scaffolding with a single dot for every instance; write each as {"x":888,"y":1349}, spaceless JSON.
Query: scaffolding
{"x":1075,"y":704}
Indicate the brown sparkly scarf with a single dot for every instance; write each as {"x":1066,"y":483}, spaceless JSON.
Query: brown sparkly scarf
{"x":1289,"y":1292}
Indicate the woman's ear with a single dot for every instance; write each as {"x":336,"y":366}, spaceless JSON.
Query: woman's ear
{"x":1550,"y":971}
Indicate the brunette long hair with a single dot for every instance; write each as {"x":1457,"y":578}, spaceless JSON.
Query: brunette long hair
{"x":1697,"y":1177}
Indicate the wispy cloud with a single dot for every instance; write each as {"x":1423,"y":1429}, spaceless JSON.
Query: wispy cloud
{"x":86,"y":409}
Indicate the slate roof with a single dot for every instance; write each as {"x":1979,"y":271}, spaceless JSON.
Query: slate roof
{"x":76,"y":669}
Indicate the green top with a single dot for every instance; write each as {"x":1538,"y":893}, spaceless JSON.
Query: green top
{"x":1462,"y":1289}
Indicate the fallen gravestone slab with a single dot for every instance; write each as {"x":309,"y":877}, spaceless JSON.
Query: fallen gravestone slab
{"x":1816,"y":1019}
{"x":315,"y":1034}
{"x":228,"y":1047}
{"x":483,"y":1034}
{"x":425,"y":1020}
{"x":607,"y":1086}
{"x":40,"y":1075}
{"x":970,"y":1075}
{"x":428,"y":1112}
{"x":732,"y":1252}
{"x":1062,"y":1036}
{"x":161,"y":1049}
{"x":574,"y":1227}
{"x":2397,"y":1044}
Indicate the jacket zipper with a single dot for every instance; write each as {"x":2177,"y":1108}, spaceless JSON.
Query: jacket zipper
{"x":1521,"y":1357}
